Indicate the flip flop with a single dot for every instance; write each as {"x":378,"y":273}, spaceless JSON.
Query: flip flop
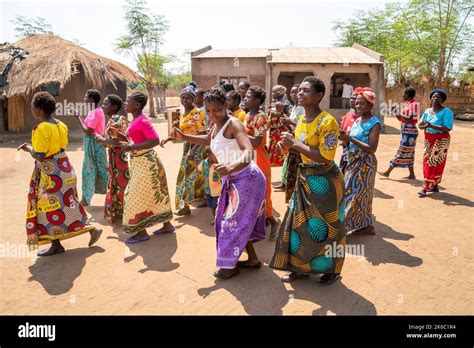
{"x":144,"y":238}
{"x":165,"y":230}
{"x":328,"y":280}
{"x":242,"y":264}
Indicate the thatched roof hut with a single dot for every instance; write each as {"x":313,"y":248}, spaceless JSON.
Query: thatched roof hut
{"x":65,"y":67}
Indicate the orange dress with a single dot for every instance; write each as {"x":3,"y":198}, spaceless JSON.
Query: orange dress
{"x":256,"y":126}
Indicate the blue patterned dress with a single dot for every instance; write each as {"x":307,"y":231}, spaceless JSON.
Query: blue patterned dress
{"x":359,"y":178}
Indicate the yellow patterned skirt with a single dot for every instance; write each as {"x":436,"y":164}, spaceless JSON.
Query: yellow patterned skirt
{"x":146,"y":199}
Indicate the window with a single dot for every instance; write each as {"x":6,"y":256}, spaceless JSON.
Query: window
{"x":235,"y":80}
{"x":52,"y":88}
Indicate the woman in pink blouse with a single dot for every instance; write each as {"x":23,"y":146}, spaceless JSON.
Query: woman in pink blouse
{"x":146,"y":198}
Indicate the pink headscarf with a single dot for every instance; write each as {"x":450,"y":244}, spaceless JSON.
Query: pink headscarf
{"x":367,"y":92}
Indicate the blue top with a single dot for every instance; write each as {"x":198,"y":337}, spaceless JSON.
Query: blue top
{"x":361,"y":131}
{"x":444,"y":117}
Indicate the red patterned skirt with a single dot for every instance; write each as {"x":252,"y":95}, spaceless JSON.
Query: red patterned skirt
{"x":54,"y":211}
{"x":434,"y":158}
{"x":118,"y":180}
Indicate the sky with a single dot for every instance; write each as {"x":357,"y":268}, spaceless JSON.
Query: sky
{"x":96,"y":24}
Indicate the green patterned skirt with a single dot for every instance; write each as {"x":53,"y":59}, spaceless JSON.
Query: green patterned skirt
{"x":313,"y":235}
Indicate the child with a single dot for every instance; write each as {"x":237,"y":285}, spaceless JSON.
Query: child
{"x":199,"y":103}
{"x":233,"y":105}
{"x":212,"y":181}
{"x":276,"y":127}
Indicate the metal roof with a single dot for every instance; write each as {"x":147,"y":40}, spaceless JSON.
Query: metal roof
{"x":322,"y":55}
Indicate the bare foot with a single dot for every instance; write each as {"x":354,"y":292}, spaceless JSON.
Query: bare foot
{"x":384,"y":174}
{"x":410,"y":177}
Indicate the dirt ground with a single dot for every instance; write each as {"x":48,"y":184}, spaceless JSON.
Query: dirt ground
{"x":419,"y":262}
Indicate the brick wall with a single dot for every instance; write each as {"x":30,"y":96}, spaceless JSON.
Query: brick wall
{"x":460,"y":99}
{"x":205,"y":81}
{"x":257,"y":80}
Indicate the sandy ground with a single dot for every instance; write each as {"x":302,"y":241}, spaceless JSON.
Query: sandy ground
{"x":420,"y":261}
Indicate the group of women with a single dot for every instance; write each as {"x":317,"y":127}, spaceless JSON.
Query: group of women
{"x":325,"y":200}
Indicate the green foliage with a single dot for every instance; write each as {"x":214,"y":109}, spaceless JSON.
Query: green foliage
{"x":25,"y":26}
{"x":422,"y":38}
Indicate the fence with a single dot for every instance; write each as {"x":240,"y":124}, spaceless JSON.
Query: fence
{"x":460,"y":99}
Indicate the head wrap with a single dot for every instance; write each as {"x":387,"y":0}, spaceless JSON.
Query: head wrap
{"x":441,"y":92}
{"x":367,"y":92}
{"x":189,"y":90}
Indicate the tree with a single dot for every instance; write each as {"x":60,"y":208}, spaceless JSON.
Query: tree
{"x":25,"y":26}
{"x":423,"y":38}
{"x":142,"y":42}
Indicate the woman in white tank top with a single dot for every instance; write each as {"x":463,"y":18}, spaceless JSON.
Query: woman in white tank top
{"x":240,"y":216}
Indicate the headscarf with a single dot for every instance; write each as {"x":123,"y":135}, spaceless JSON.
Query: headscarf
{"x":189,"y":90}
{"x":442,"y":92}
{"x":367,"y":92}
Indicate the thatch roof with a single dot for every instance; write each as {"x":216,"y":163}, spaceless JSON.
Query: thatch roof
{"x":52,"y":59}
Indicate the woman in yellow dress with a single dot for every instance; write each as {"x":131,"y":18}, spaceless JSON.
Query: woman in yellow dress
{"x":313,"y":235}
{"x":190,"y":183}
{"x":54,"y":212}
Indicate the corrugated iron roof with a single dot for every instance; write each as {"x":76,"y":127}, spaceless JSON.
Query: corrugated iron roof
{"x":235,"y":53}
{"x":322,"y":55}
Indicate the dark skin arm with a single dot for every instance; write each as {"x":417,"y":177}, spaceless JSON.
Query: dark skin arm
{"x":201,"y":140}
{"x":107,"y":141}
{"x":148,"y":144}
{"x":289,"y":142}
{"x":28,"y":148}
{"x":84,"y":128}
{"x":371,"y":147}
{"x":432,"y":126}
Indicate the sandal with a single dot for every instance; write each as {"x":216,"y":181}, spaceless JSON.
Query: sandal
{"x":184,"y":211}
{"x":143,"y":238}
{"x":95,"y":235}
{"x":164,"y":230}
{"x":220,"y":274}
{"x":51,"y":251}
{"x":288,"y":278}
{"x":369,"y":230}
{"x":422,"y":194}
{"x":244,"y":264}
{"x":328,"y":278}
